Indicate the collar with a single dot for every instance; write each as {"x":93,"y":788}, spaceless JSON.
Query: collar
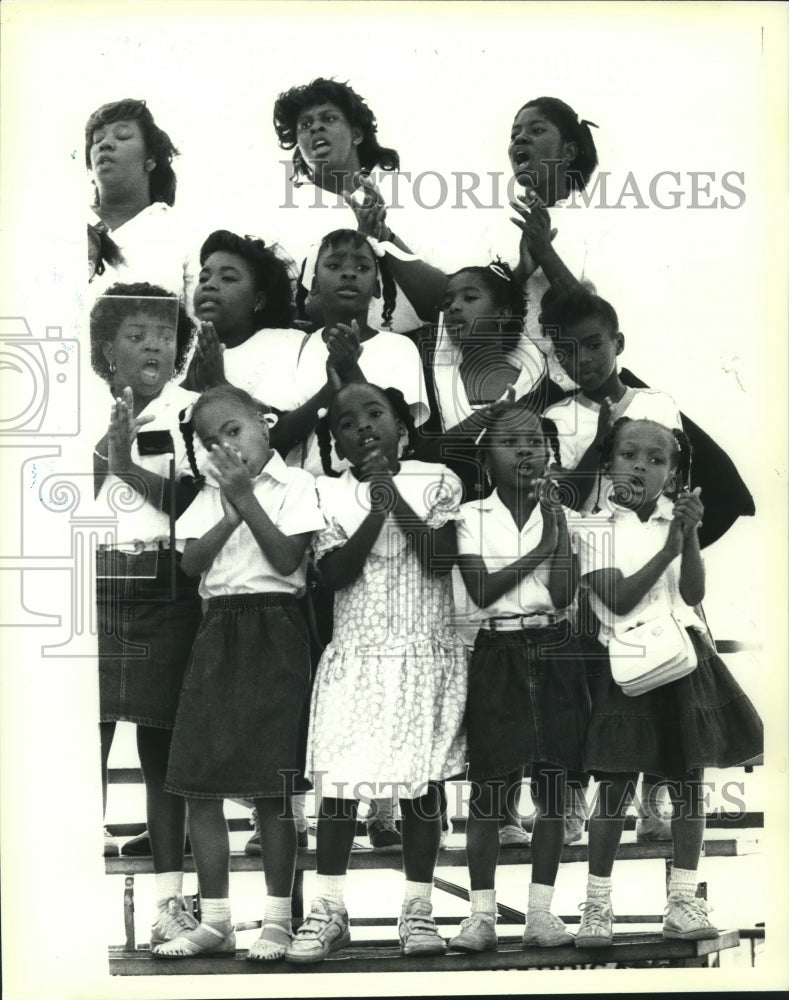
{"x":496,"y":504}
{"x":274,"y":469}
{"x":663,"y":511}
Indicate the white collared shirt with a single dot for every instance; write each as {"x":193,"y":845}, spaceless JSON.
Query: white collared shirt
{"x":618,"y":539}
{"x":387,"y":359}
{"x":241,"y":567}
{"x":489,"y":530}
{"x":265,"y":366}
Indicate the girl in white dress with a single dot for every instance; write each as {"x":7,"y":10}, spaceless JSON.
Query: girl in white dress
{"x":389,"y":694}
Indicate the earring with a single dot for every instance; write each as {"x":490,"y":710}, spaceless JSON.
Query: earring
{"x":112,"y":368}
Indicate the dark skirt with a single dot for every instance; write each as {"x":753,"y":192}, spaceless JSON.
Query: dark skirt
{"x":528,"y":701}
{"x":702,"y":720}
{"x":242,"y":720}
{"x":145,"y":636}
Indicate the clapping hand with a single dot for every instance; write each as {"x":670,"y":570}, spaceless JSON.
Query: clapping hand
{"x":345,"y":349}
{"x":534,"y":221}
{"x":122,"y":433}
{"x":370,"y":213}
{"x":230,"y":473}
{"x":208,"y":366}
{"x":688,"y":511}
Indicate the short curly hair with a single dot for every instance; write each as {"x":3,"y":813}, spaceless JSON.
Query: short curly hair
{"x":157,"y":143}
{"x":291,"y":103}
{"x":110,"y":311}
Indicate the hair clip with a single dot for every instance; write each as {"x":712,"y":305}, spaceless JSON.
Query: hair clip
{"x":498,"y":270}
{"x":480,"y":436}
{"x":185,"y":416}
{"x":270,"y":419}
{"x":585,"y":121}
{"x":322,"y":412}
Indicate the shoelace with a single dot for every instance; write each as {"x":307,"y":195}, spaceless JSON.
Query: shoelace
{"x":691,"y":908}
{"x":595,"y":918}
{"x":384,"y":823}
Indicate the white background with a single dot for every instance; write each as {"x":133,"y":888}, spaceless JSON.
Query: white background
{"x":683,"y":88}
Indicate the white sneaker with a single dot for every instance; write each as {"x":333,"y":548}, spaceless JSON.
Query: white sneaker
{"x":545,"y":930}
{"x":686,"y":919}
{"x":597,"y":924}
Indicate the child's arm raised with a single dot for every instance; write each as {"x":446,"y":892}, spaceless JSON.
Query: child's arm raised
{"x":622,"y":593}
{"x":199,"y":553}
{"x":563,"y":574}
{"x":340,"y":567}
{"x":485,"y":587}
{"x":577,"y":484}
{"x":341,"y":367}
{"x":284,"y":552}
{"x":123,"y":430}
{"x":689,"y":510}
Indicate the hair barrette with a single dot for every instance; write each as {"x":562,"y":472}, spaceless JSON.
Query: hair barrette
{"x":185,"y":416}
{"x":322,"y":412}
{"x":585,"y":121}
{"x":480,"y":436}
{"x":498,"y":270}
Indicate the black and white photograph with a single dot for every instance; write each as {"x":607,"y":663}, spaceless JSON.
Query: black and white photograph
{"x":394,"y":462}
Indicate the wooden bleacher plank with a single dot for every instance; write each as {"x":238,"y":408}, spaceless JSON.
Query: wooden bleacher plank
{"x":376,"y":958}
{"x":449,"y":857}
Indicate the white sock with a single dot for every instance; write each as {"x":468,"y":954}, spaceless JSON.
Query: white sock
{"x":215,"y":911}
{"x":483,"y":901}
{"x":332,"y":889}
{"x":168,"y":884}
{"x":682,"y":883}
{"x":299,"y":805}
{"x":277,"y":910}
{"x":417,"y":890}
{"x":598,"y":887}
{"x":540,"y":896}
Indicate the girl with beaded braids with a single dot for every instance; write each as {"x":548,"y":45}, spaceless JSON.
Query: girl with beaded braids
{"x":390,"y":689}
{"x":348,"y":348}
{"x":641,"y":560}
{"x":333,"y":133}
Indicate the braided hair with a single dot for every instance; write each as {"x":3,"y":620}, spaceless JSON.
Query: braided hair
{"x":333,"y":241}
{"x":682,"y":459}
{"x":399,"y":407}
{"x":186,"y":419}
{"x":499,"y":281}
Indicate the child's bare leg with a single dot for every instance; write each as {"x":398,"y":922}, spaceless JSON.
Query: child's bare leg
{"x":482,"y":833}
{"x":166,"y":813}
{"x":278,"y":844}
{"x":547,"y":839}
{"x":689,"y":820}
{"x":211,"y":847}
{"x":106,"y":734}
{"x":421,"y":834}
{"x":614,"y":792}
{"x":335,"y":833}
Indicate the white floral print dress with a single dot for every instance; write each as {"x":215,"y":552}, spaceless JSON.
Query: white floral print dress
{"x":390,"y":690}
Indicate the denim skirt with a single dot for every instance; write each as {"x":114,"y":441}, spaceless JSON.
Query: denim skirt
{"x":528,"y":701}
{"x":704,"y":719}
{"x":145,"y":635}
{"x":241,"y":726}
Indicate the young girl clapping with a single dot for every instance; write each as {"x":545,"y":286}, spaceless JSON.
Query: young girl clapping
{"x":641,"y":561}
{"x":528,"y":701}
{"x":390,"y":690}
{"x":242,"y":713}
